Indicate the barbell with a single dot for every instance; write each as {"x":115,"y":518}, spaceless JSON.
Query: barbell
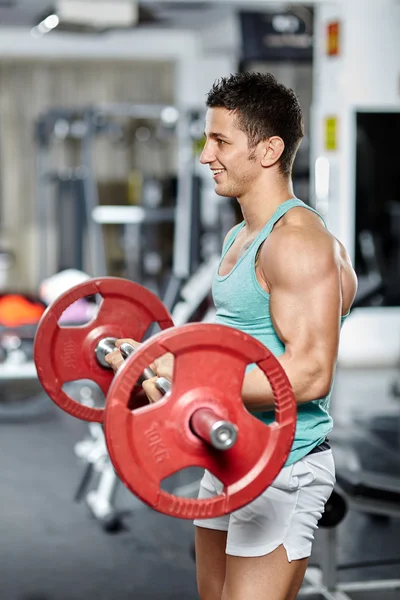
{"x":200,"y":411}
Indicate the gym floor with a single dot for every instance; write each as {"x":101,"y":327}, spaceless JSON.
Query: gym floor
{"x":52,"y":549}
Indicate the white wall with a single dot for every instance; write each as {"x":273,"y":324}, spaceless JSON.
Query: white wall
{"x":366,"y":75}
{"x":141,"y":44}
{"x":198,"y":61}
{"x":371,"y":338}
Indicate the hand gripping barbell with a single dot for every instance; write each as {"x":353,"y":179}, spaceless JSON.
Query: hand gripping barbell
{"x":205,"y":423}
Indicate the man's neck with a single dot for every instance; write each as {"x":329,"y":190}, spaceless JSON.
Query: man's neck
{"x":259,"y":205}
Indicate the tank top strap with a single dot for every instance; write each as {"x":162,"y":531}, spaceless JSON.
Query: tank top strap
{"x":278,"y":214}
{"x":231,"y":237}
{"x":268,"y":227}
{"x":315,"y":212}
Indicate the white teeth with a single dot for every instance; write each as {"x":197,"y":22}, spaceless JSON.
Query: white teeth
{"x":216,"y":172}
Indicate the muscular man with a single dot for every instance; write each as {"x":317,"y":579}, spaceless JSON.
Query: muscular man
{"x":284,"y":279}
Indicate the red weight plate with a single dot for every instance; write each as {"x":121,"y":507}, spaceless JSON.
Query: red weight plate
{"x":148,"y":444}
{"x":65,"y":354}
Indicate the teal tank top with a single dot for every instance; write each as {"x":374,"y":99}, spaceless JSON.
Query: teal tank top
{"x":241,"y":303}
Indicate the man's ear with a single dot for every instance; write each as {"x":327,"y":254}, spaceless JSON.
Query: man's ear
{"x":272,"y":151}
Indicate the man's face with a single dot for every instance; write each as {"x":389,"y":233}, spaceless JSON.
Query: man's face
{"x":235,"y":167}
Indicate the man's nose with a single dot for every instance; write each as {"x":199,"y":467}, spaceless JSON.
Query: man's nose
{"x":207,"y":156}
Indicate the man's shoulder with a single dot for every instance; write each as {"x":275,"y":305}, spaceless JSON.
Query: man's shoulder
{"x":298,"y":235}
{"x":295,"y":248}
{"x":301,"y":216}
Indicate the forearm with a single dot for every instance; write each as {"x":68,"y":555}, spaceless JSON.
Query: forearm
{"x":305,"y":376}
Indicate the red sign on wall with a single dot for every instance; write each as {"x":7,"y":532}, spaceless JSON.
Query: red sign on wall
{"x":333,"y":38}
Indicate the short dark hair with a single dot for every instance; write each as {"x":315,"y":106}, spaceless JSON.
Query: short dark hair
{"x":264,"y":108}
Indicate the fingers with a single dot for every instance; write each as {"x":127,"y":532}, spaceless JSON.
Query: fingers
{"x":133,"y":343}
{"x":115,"y":360}
{"x":149,"y":386}
{"x":164,"y":365}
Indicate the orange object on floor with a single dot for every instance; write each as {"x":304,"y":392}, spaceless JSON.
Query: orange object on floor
{"x":16,"y":310}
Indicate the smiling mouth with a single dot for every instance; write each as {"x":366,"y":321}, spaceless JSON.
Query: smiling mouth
{"x":217,"y":172}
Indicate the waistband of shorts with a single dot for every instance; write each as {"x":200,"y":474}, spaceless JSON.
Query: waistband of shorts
{"x":320,"y":448}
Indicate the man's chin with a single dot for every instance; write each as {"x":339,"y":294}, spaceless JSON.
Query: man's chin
{"x":219,"y":190}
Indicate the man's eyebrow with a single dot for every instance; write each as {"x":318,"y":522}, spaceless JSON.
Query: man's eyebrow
{"x":215,"y":135}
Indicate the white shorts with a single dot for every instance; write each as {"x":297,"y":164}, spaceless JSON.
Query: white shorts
{"x":286,"y":513}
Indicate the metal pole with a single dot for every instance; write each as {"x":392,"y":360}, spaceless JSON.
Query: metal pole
{"x":95,"y":233}
{"x":329,"y":558}
{"x":42,"y":210}
{"x":183,"y":216}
